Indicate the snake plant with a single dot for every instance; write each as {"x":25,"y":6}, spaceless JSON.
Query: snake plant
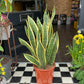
{"x":43,"y":43}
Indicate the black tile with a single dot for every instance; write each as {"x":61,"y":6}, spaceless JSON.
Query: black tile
{"x":33,"y":80}
{"x":27,"y":73}
{"x":65,"y":74}
{"x":15,"y":80}
{"x":56,"y":69}
{"x":12,"y":73}
{"x":63,"y":65}
{"x":20,"y":69}
{"x":57,"y":80}
{"x":75,"y":80}
{"x":29,"y":65}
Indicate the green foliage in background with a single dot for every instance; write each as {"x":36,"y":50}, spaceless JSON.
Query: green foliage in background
{"x":1,"y":49}
{"x":3,"y":6}
{"x":43,"y":43}
{"x":77,"y":53}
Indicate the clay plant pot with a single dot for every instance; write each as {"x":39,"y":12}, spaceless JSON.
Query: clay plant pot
{"x":3,"y":80}
{"x":44,"y":76}
{"x":6,"y":63}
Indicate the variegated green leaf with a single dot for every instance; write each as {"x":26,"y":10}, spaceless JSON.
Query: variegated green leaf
{"x":32,"y":38}
{"x":26,"y":31}
{"x":33,"y":26}
{"x":50,"y":48}
{"x":55,"y":49}
{"x":53,"y":14}
{"x":46,"y":19}
{"x":27,"y":23}
{"x":32,"y":59}
{"x":41,"y":54}
{"x":44,"y":36}
{"x":50,"y":33}
{"x":23,"y":42}
{"x":39,"y":26}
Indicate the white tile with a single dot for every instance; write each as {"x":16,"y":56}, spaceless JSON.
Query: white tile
{"x":29,"y":69}
{"x":64,"y":69}
{"x":33,"y":73}
{"x":72,"y":73}
{"x":67,"y":80}
{"x":57,"y":64}
{"x":25,"y":80}
{"x":15,"y":69}
{"x":22,"y":64}
{"x":56,"y":74}
{"x":69,"y":64}
{"x":18,"y":73}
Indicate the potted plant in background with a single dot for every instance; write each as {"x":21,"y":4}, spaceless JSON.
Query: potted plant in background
{"x":5,"y":22}
{"x":2,"y":73}
{"x":6,"y":63}
{"x":43,"y":45}
{"x":2,"y":70}
{"x":77,"y":53}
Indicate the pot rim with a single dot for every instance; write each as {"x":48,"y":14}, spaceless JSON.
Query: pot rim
{"x":36,"y":68}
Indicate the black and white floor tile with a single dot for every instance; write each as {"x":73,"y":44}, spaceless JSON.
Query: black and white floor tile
{"x":25,"y":74}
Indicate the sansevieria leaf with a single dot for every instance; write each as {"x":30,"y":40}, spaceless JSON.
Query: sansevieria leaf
{"x":50,"y":22}
{"x":23,"y":42}
{"x":39,"y":25}
{"x":32,"y":59}
{"x":50,"y":48}
{"x":53,"y":14}
{"x":26,"y":31}
{"x":55,"y":49}
{"x":33,"y":26}
{"x":50,"y":33}
{"x":41,"y":54}
{"x":46,"y":19}
{"x":44,"y":36}
{"x":32,"y":38}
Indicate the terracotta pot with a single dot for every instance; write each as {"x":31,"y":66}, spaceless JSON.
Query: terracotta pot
{"x":3,"y":80}
{"x":44,"y":76}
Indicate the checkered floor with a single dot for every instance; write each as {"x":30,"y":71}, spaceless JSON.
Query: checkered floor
{"x":25,"y":74}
